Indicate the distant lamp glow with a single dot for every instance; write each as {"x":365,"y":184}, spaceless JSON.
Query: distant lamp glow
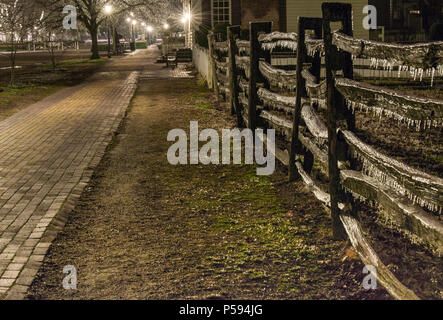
{"x":188,"y":17}
{"x":149,"y":29}
{"x":183,"y":20}
{"x":166,"y":26}
{"x":134,"y":22}
{"x":128,"y":20}
{"x":108,"y":9}
{"x":143,"y":24}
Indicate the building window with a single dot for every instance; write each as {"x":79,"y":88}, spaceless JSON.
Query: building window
{"x":221,"y":12}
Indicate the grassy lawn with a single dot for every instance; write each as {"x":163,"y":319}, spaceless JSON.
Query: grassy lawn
{"x":34,"y":84}
{"x":14,"y":99}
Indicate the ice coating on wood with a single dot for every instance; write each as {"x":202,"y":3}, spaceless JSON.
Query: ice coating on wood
{"x":315,"y":125}
{"x":420,"y":60}
{"x":243,"y":64}
{"x":315,"y":90}
{"x":243,"y":100}
{"x":243,"y":84}
{"x":419,"y":55}
{"x":414,"y":111}
{"x":412,"y":220}
{"x":277,"y":101}
{"x":275,"y":40}
{"x":223,"y":66}
{"x":224,"y":89}
{"x":314,"y":46}
{"x":223,"y":78}
{"x":281,"y":125}
{"x":324,"y":197}
{"x":275,"y":36}
{"x":284,"y":44}
{"x":421,"y":188}
{"x":278,"y":77}
{"x":243,"y":46}
{"x":221,"y":46}
{"x":369,"y":257}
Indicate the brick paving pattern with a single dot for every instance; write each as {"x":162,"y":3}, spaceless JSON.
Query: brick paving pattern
{"x":47,"y":156}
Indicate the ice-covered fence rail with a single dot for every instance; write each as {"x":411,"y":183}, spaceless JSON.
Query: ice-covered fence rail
{"x":424,"y":59}
{"x":421,"y":188}
{"x":420,"y":55}
{"x":278,"y":77}
{"x":411,"y":219}
{"x":243,"y":64}
{"x":243,"y":84}
{"x":282,"y":125}
{"x":277,"y":101}
{"x":316,"y":91}
{"x":414,"y":111}
{"x":221,"y":65}
{"x":243,"y":46}
{"x":276,"y":36}
{"x":314,"y":46}
{"x":314,"y":124}
{"x":288,"y":41}
{"x":224,"y":89}
{"x":369,"y":257}
{"x":359,"y":242}
{"x":275,"y":40}
{"x":222,"y":46}
{"x":222,"y":78}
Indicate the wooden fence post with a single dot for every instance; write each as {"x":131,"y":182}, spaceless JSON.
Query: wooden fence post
{"x":213,"y":68}
{"x":233,"y":35}
{"x":255,"y":29}
{"x":303,"y":25}
{"x":334,"y":12}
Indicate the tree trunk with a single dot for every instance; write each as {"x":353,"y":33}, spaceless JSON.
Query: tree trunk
{"x":12,"y":61}
{"x":94,"y":32}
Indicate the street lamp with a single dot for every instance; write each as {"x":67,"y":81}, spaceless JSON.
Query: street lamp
{"x":133,"y":23}
{"x":166,"y":26}
{"x":186,"y":20}
{"x":149,"y":29}
{"x":108,"y":12}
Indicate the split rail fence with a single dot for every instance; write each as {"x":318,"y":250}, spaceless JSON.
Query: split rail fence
{"x":290,"y":100}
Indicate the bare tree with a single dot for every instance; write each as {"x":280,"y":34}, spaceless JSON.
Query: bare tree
{"x":16,"y":19}
{"x":50,"y":23}
{"x":92,"y":15}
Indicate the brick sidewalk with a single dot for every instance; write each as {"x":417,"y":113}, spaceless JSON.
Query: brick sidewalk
{"x":47,"y":156}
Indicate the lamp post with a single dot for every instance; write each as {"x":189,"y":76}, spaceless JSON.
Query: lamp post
{"x":186,"y":20}
{"x":149,"y":29}
{"x":108,"y":12}
{"x":133,"y":47}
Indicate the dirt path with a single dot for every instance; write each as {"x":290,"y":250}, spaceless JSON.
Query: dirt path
{"x":149,"y":230}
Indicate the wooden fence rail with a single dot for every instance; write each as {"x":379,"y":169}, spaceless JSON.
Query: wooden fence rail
{"x":262,"y":95}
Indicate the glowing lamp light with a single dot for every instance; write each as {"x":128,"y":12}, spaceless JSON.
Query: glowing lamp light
{"x":108,"y":9}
